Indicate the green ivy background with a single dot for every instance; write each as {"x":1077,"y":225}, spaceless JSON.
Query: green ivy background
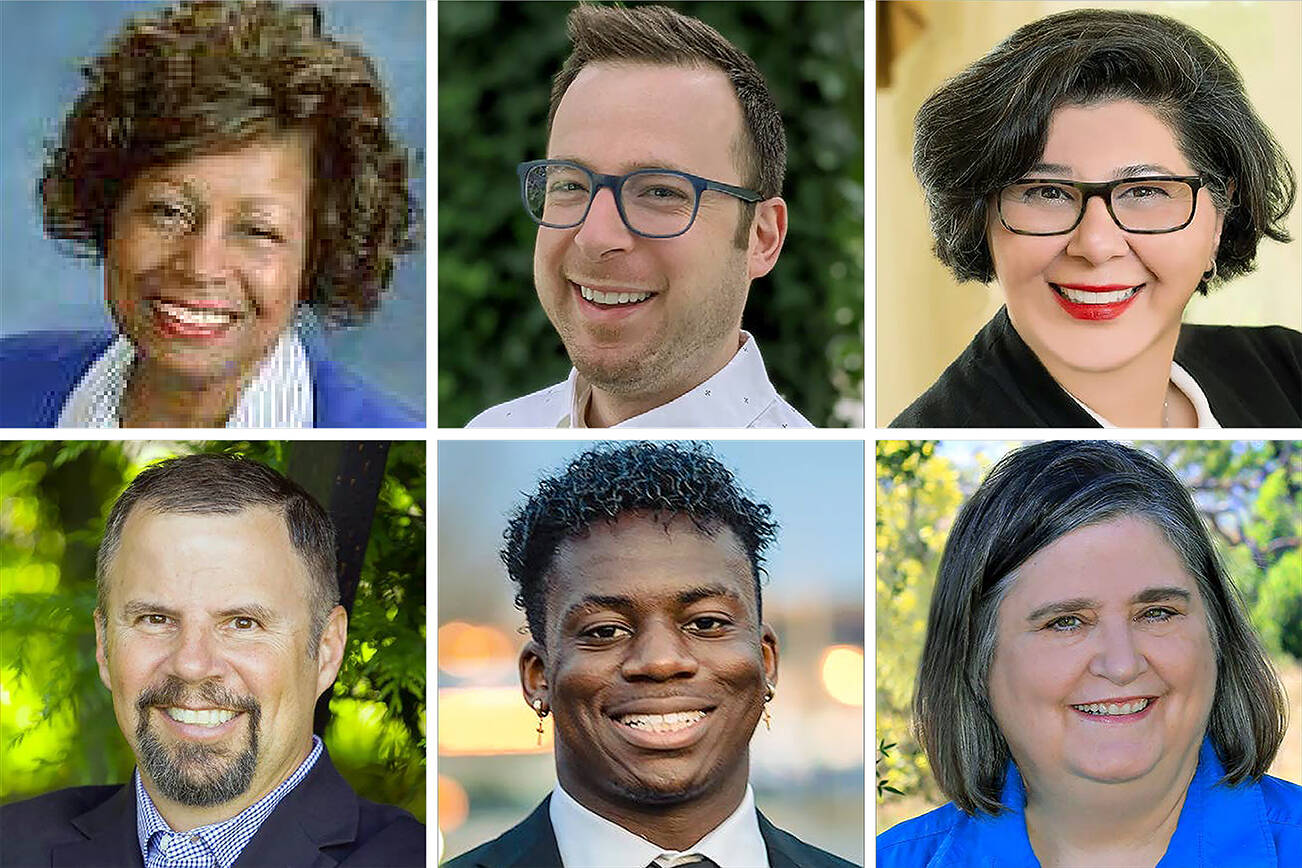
{"x":496,"y":61}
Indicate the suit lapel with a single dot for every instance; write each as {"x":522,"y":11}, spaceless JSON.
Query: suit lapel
{"x":534,"y":843}
{"x":321,"y":811}
{"x":778,"y":844}
{"x":110,"y":830}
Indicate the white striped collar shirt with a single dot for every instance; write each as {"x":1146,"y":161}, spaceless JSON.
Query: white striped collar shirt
{"x":217,"y":845}
{"x":279,"y":395}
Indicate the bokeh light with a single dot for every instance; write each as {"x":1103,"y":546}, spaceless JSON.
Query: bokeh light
{"x":474,"y":652}
{"x":842,"y":671}
{"x":488,"y":721}
{"x":454,"y":804}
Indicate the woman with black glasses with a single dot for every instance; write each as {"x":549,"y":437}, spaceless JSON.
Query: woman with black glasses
{"x":1104,"y":166}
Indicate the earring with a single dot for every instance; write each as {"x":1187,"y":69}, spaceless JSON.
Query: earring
{"x":1210,"y":274}
{"x":541,"y":712}
{"x":768,"y":697}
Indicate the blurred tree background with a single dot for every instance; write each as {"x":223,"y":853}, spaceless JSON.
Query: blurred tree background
{"x":57,"y":727}
{"x":496,"y":62}
{"x":1250,"y":497}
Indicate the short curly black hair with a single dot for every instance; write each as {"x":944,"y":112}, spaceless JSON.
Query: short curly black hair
{"x":987,"y":126}
{"x":206,"y":76}
{"x":664,"y":479}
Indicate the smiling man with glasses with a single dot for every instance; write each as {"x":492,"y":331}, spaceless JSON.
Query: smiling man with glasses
{"x":659,"y":202}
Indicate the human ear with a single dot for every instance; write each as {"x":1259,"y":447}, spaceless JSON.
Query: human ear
{"x":101,"y":649}
{"x":533,"y":674}
{"x":330,"y":649}
{"x":767,"y":233}
{"x":769,"y":649}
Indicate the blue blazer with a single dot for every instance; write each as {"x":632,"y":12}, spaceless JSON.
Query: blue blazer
{"x":38,"y":371}
{"x":532,"y":844}
{"x":1254,"y":825}
{"x":320,"y":822}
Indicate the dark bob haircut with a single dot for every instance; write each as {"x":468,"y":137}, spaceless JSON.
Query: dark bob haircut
{"x":663,"y":479}
{"x":214,"y":484}
{"x":1032,"y":497}
{"x":987,"y":126}
{"x":203,"y":77}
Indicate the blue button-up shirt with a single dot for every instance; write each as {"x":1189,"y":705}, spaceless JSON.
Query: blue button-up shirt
{"x":1254,"y":825}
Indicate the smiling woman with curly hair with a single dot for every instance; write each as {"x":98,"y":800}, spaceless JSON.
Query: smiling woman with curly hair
{"x":227,"y":163}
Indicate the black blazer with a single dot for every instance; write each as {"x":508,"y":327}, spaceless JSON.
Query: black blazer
{"x":532,"y":844}
{"x":1252,"y":378}
{"x":321,"y":823}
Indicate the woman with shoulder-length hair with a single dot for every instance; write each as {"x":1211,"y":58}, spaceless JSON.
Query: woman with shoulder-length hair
{"x":1103,"y":166}
{"x":1091,"y":692}
{"x":231,"y":166}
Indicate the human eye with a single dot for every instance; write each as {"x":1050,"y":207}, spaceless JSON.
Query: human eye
{"x":243,"y":623}
{"x":1065,"y":624}
{"x":708,"y":624}
{"x":1144,"y":191}
{"x":602,"y":633}
{"x":153,"y":619}
{"x":262,"y":232}
{"x":166,"y":213}
{"x":1158,"y":614}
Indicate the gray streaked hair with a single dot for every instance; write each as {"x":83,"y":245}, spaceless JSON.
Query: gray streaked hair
{"x":1034,"y":496}
{"x":214,"y":484}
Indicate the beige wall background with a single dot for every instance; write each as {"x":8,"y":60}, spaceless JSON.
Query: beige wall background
{"x":924,"y":316}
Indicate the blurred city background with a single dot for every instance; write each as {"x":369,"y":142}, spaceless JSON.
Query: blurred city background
{"x":496,"y":62}
{"x":57,"y":727}
{"x":808,"y":772}
{"x":1249,"y":494}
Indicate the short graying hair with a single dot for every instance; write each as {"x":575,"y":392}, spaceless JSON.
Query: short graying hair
{"x":987,"y":126}
{"x":1034,"y":496}
{"x":214,"y":484}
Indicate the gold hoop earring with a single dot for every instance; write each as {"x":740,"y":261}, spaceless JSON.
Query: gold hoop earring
{"x":768,"y":697}
{"x":541,"y":712}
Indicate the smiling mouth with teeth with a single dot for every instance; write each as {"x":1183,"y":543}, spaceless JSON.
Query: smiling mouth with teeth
{"x":194,"y":316}
{"x":672,"y":722}
{"x":596,"y":296}
{"x":200,"y":717}
{"x":1079,"y":296}
{"x":1111,"y":709}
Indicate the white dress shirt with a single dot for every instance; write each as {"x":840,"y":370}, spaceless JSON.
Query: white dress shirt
{"x":738,"y":396}
{"x":279,"y":395}
{"x":588,"y":840}
{"x":1182,"y":380}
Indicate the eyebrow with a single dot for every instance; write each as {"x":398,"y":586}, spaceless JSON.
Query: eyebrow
{"x":630,"y":165}
{"x":1148,"y":595}
{"x":258,"y":612}
{"x":623,"y":602}
{"x":1130,"y":171}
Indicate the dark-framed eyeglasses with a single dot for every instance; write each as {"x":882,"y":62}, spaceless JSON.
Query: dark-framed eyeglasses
{"x":1149,"y":205}
{"x":653,"y":203}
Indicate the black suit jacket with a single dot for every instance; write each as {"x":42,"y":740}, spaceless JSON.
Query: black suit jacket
{"x":1252,"y":378}
{"x":532,"y":844}
{"x":321,"y":823}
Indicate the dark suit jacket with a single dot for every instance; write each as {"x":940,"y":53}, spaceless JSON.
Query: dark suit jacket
{"x":39,"y":370}
{"x":321,"y":823}
{"x":532,"y":844}
{"x":1252,"y":378}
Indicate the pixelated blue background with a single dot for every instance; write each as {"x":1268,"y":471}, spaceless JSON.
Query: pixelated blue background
{"x":42,"y":48}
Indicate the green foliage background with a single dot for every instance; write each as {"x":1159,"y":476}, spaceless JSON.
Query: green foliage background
{"x":496,"y":61}
{"x":1249,"y":494}
{"x":57,"y":727}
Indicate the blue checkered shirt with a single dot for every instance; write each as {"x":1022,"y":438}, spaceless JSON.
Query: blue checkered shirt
{"x":214,"y":846}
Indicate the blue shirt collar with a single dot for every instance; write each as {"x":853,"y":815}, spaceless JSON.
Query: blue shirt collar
{"x":1215,"y":820}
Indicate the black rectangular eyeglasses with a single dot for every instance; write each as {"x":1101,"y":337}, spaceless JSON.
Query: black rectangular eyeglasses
{"x":653,"y":203}
{"x":1149,"y":205}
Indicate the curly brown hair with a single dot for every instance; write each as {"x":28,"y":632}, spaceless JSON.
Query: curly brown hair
{"x":202,"y":77}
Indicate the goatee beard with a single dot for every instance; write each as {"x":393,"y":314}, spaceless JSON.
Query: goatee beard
{"x":193,"y":774}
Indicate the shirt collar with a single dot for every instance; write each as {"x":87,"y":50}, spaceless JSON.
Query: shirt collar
{"x":1215,"y":821}
{"x":733,"y":398}
{"x":278,"y":395}
{"x":1182,"y":380}
{"x":218,"y":844}
{"x":588,"y":840}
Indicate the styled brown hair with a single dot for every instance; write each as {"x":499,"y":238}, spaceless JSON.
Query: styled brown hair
{"x":203,"y":77}
{"x":1034,"y":496}
{"x":660,"y":35}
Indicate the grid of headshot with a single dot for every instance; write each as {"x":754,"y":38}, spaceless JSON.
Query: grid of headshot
{"x":955,"y":423}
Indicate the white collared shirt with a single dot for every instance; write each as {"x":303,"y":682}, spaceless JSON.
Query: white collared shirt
{"x":738,"y":396}
{"x":1182,"y":380}
{"x":588,"y":840}
{"x":279,"y":395}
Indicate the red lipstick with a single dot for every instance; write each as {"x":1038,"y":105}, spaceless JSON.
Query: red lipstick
{"x":1123,"y":294}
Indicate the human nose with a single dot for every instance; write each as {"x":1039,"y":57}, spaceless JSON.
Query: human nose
{"x":659,"y":652}
{"x":202,"y":254}
{"x":1116,"y":656}
{"x":603,"y":231}
{"x":195,"y":656}
{"x":1097,"y":237}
